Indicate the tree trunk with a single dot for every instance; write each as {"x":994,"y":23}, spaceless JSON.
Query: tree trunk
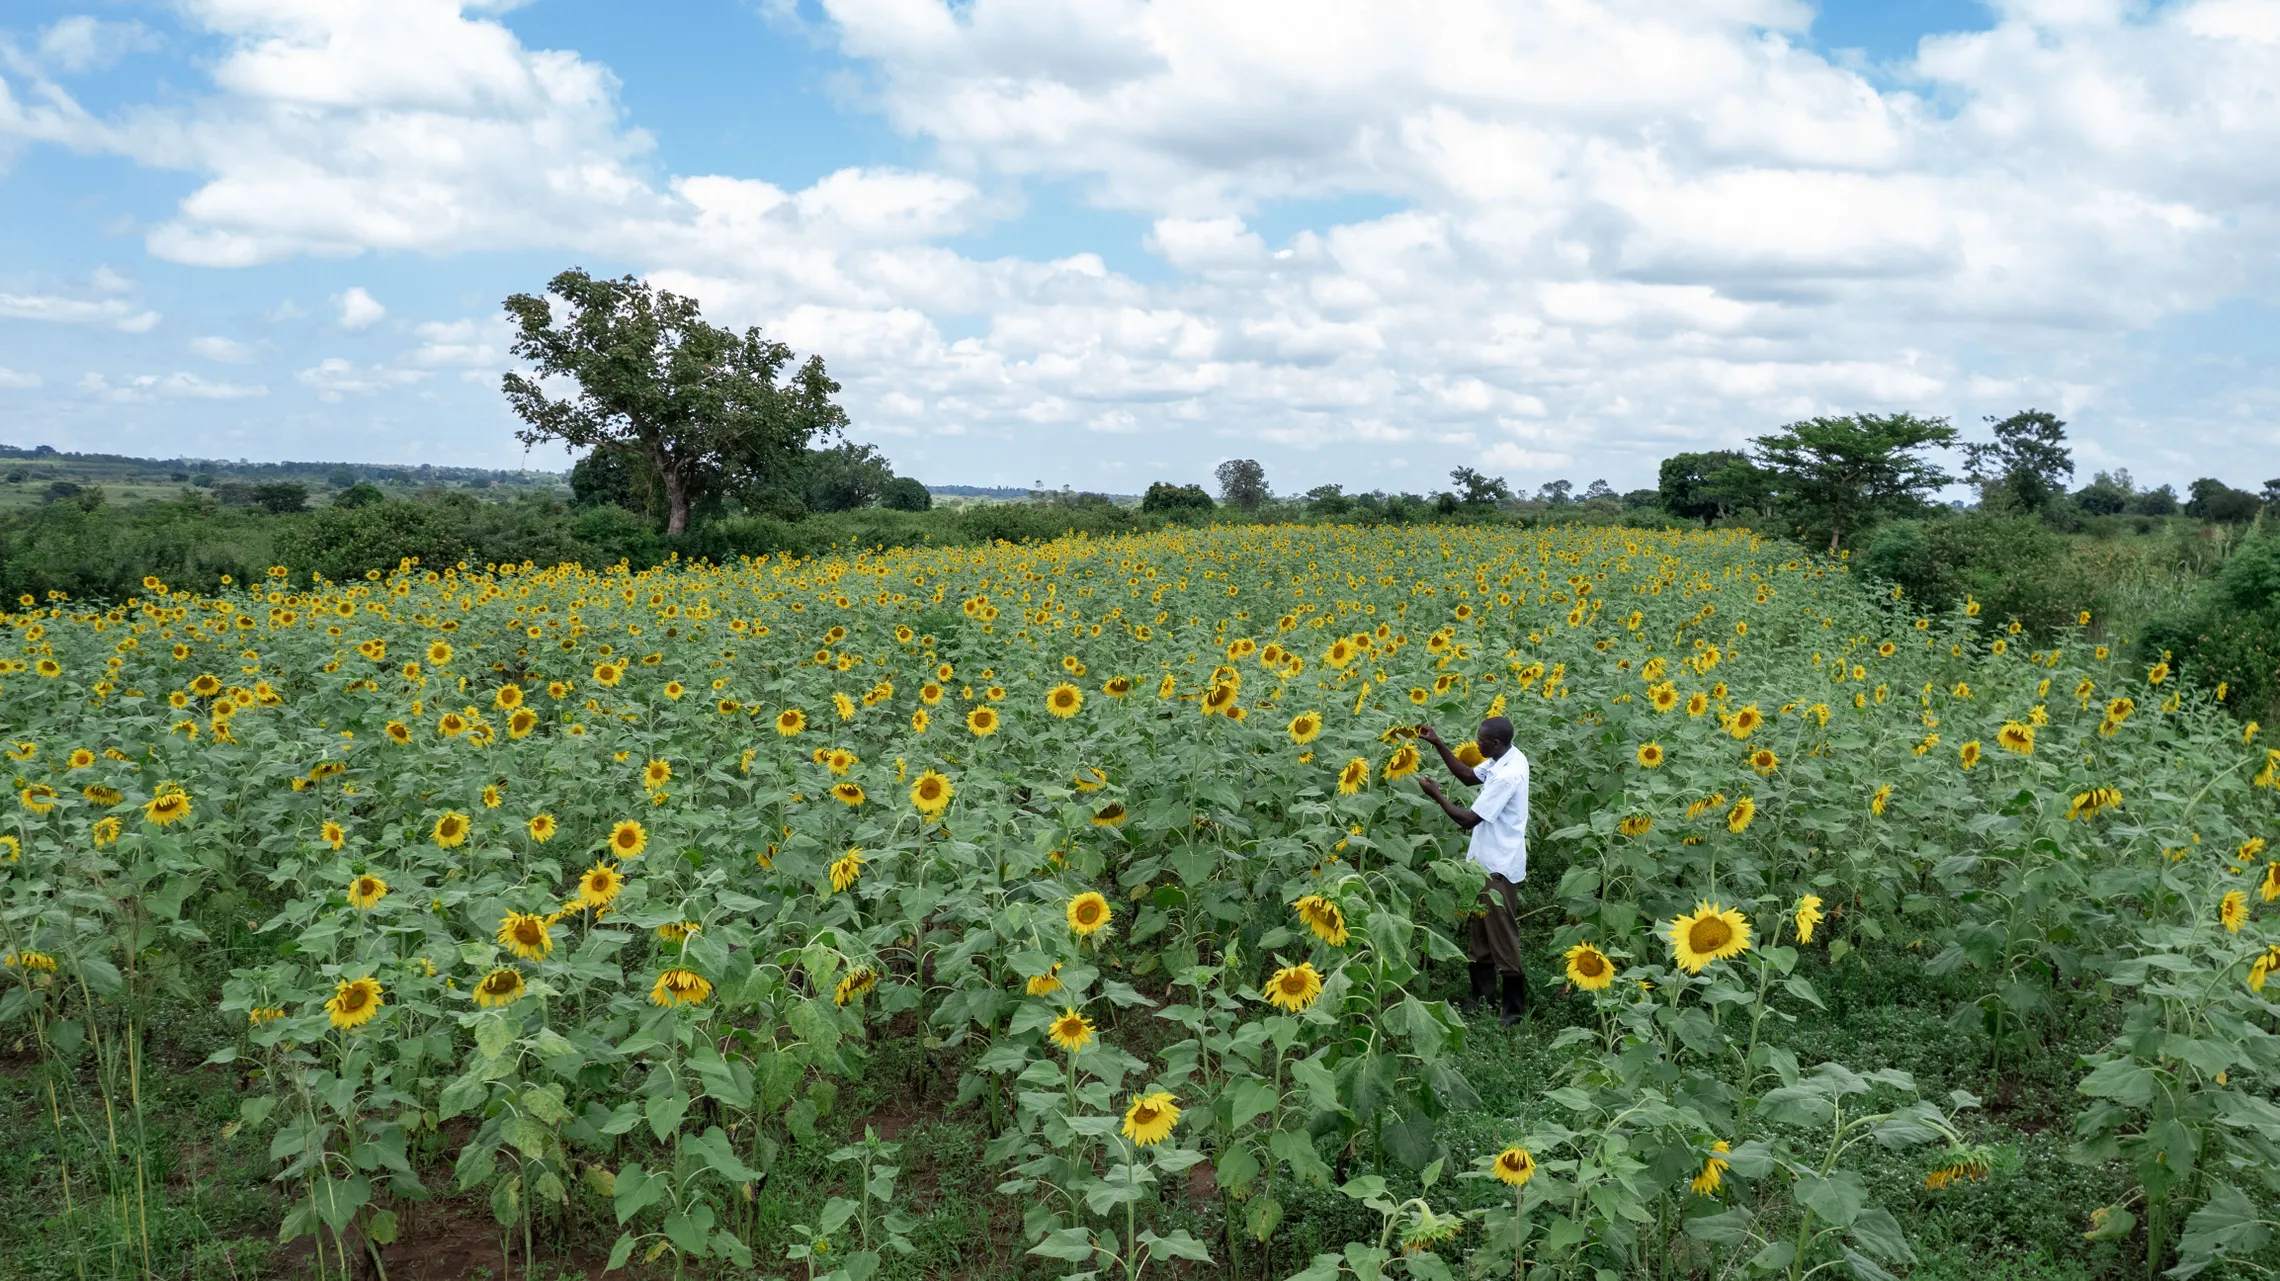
{"x":676,"y":499}
{"x":1835,"y":532}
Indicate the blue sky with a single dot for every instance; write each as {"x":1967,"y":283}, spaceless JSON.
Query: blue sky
{"x":1098,"y":244}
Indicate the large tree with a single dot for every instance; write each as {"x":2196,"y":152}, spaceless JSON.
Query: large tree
{"x":1242,"y":483}
{"x":701,"y":405}
{"x":2027,"y":464}
{"x":1711,"y":486}
{"x":1845,"y":474}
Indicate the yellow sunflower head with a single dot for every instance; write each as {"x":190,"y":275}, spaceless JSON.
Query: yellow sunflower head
{"x":1089,"y":914}
{"x":1294,"y":988}
{"x":1588,"y":967}
{"x":1711,"y":934}
{"x":628,"y":839}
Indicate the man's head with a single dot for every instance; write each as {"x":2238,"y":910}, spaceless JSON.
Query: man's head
{"x":1495,"y":737}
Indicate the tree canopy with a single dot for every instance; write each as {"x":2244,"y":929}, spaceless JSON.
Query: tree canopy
{"x":2026,"y":465}
{"x":1844,"y":474}
{"x":1242,"y":483}
{"x":700,"y":404}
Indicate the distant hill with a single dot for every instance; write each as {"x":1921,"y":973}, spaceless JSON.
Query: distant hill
{"x":979,"y":491}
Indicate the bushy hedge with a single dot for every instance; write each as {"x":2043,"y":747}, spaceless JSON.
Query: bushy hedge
{"x":2015,"y":567}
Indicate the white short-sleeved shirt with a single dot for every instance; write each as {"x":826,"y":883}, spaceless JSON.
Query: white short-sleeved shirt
{"x":1500,"y":843}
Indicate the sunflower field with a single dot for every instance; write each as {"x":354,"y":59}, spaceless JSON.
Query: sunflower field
{"x":589,"y":899}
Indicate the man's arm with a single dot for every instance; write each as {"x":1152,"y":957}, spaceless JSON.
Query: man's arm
{"x":1457,"y":769}
{"x":1458,"y":814}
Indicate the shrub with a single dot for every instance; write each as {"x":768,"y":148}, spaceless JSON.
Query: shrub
{"x":2015,"y":567}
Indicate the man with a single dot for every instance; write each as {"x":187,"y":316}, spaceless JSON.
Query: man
{"x":1498,"y":821}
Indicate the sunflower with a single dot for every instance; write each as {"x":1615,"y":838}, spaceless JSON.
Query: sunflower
{"x":1882,"y":798}
{"x":2269,"y":888}
{"x":839,"y":760}
{"x":450,"y":830}
{"x":1961,"y":1165}
{"x":657,"y":773}
{"x":982,"y":721}
{"x":366,"y":890}
{"x":680,"y":987}
{"x":80,"y":758}
{"x":1513,"y":1167}
{"x":919,"y":721}
{"x":1219,"y":698}
{"x":1738,"y":820}
{"x":1353,"y":776}
{"x":1089,"y":914}
{"x":29,"y":961}
{"x":39,"y":798}
{"x":599,"y":884}
{"x":1745,"y":721}
{"x":1112,"y":814}
{"x":525,"y":935}
{"x":1588,"y":968}
{"x":353,"y":1003}
{"x":170,"y":805}
{"x":2016,"y":737}
{"x":1150,"y":1118}
{"x":1711,"y":934}
{"x":398,"y":733}
{"x":1294,"y":987}
{"x":105,"y":833}
{"x":492,"y":796}
{"x":1650,"y":755}
{"x":1636,"y":825}
{"x":1404,"y":762}
{"x":628,"y":839}
{"x":846,"y":870}
{"x":2091,"y":802}
{"x":607,"y":675}
{"x":854,"y":983}
{"x":2262,"y":968}
{"x":1048,"y":983}
{"x":848,"y":794}
{"x":2232,"y":912}
{"x":1764,"y":761}
{"x":790,"y":721}
{"x":931,"y":793}
{"x":541,"y":828}
{"x":1697,"y":703}
{"x":678,"y":932}
{"x":1089,"y":779}
{"x":1064,"y":700}
{"x":1116,"y":686}
{"x":502,"y":986}
{"x":439,"y":653}
{"x":1808,"y":916}
{"x":508,"y":698}
{"x":1072,"y":1031}
{"x":1305,"y":727}
{"x":930,"y":693}
{"x":1706,"y":1183}
{"x":1323,"y":917}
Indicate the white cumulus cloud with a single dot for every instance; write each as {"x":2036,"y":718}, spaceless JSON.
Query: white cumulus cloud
{"x":355,"y":309}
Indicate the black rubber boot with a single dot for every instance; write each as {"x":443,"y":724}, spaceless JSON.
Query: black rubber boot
{"x":1483,"y":987}
{"x":1515,"y":1003}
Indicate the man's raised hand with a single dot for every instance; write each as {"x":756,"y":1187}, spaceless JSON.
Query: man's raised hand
{"x":1430,"y":735}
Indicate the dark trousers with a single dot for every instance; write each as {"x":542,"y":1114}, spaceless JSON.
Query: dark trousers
{"x":1494,"y":934}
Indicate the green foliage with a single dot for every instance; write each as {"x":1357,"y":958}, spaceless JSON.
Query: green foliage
{"x":1711,"y":486}
{"x":906,"y":494}
{"x":1842,"y":475}
{"x":2013,"y":566}
{"x":1164,"y":496}
{"x":2025,"y":466}
{"x":1242,"y":483}
{"x":700,"y":404}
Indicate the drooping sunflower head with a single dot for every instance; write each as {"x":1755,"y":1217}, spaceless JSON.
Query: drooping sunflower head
{"x":1072,"y":1031}
{"x":1295,"y":987}
{"x":1112,"y":814}
{"x":171,"y":805}
{"x":502,"y":986}
{"x":398,"y":733}
{"x":1635,"y":825}
{"x":1588,"y":967}
{"x":1046,"y":984}
{"x":2016,"y":736}
{"x":1089,"y":913}
{"x":853,"y":984}
{"x":848,"y":794}
{"x":1353,"y":776}
{"x":1738,"y":819}
{"x":846,"y":870}
{"x":680,"y":987}
{"x":1324,"y":917}
{"x":1150,"y":1118}
{"x":2232,"y":911}
{"x":1711,"y":934}
{"x":1117,"y":686}
{"x":1707,"y":1182}
{"x":1808,"y":917}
